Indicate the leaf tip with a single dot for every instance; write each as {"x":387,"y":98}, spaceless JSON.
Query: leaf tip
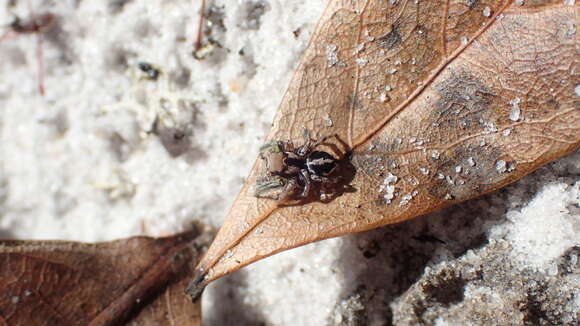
{"x":196,"y":285}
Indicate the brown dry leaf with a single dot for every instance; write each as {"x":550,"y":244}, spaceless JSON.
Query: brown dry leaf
{"x":438,"y":103}
{"x":135,"y":281}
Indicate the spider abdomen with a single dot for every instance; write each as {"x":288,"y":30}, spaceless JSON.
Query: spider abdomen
{"x":320,"y":164}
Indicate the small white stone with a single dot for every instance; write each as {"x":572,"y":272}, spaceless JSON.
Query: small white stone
{"x":487,"y":11}
{"x":328,"y":121}
{"x":511,"y":166}
{"x":577,"y":90}
{"x":425,"y":171}
{"x":405,"y":199}
{"x":383,"y":97}
{"x":501,"y":166}
{"x":571,"y":29}
{"x":435,"y":155}
{"x":515,"y":112}
{"x":489,"y":127}
{"x":464,"y":40}
{"x":520,"y":2}
{"x":553,"y":269}
{"x":390,"y":192}
{"x":458,"y":169}
{"x":450,"y":180}
{"x":471,"y":161}
{"x":388,"y":88}
{"x":331,"y":55}
{"x":361,"y":61}
{"x":507,"y":132}
{"x":391,"y":178}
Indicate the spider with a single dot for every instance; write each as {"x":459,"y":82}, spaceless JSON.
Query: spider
{"x":291,"y":172}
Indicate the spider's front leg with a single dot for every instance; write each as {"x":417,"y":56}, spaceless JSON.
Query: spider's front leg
{"x":270,"y":187}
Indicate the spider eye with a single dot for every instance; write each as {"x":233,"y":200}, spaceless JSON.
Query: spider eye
{"x":302,"y":150}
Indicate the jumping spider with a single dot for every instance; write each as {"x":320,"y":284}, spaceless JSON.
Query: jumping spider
{"x":291,"y":172}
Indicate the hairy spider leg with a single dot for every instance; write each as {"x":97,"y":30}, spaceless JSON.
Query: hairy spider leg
{"x":288,"y":190}
{"x":306,"y":179}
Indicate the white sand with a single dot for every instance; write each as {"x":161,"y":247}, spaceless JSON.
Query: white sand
{"x":82,"y":164}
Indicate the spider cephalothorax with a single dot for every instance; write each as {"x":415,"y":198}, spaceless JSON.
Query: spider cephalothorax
{"x":291,"y":172}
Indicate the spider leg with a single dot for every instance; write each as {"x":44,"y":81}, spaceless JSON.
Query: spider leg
{"x":289,"y":190}
{"x":334,"y":147}
{"x":306,"y":179}
{"x":306,"y":135}
{"x":323,"y":139}
{"x":266,"y":185}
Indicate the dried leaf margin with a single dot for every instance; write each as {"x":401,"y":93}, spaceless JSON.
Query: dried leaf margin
{"x":135,"y":281}
{"x":522,"y":113}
